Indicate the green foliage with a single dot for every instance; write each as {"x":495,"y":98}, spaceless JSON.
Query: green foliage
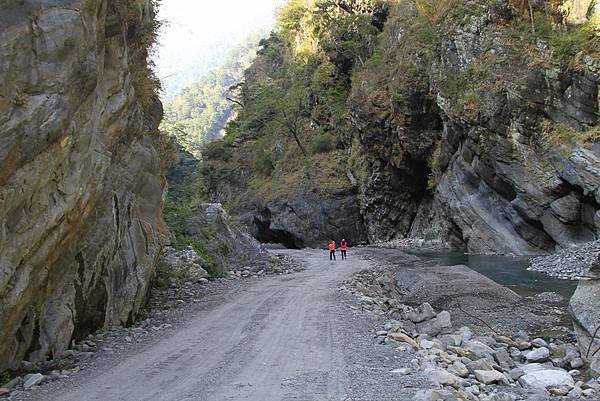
{"x":5,"y":377}
{"x":217,"y":150}
{"x":349,"y":38}
{"x":264,"y":162}
{"x":577,"y":40}
{"x":322,"y":144}
{"x":562,"y":135}
{"x":176,"y":214}
{"x":165,"y":276}
{"x":567,"y":42}
{"x":142,"y":32}
{"x":433,"y":163}
{"x":198,"y":114}
{"x":290,"y":18}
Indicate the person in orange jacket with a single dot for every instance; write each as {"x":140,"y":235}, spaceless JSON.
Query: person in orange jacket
{"x":332,"y":247}
{"x":343,"y":248}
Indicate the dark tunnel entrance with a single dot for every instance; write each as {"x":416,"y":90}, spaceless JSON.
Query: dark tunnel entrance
{"x":266,"y":235}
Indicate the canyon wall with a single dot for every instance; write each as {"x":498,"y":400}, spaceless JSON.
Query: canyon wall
{"x":81,"y":183}
{"x":485,"y":140}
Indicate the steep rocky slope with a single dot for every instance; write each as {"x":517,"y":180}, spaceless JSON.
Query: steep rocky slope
{"x":459,"y":122}
{"x":81,"y":183}
{"x":487,"y":115}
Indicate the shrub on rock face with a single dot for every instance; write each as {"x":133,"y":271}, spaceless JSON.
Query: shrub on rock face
{"x":322,"y":144}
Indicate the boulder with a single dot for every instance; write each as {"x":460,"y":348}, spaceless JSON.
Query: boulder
{"x":32,"y":379}
{"x":459,"y":369}
{"x":478,"y":349}
{"x":441,"y":323}
{"x":184,"y":265}
{"x":503,"y":358}
{"x":480,"y":364}
{"x":538,"y":355}
{"x":451,"y":339}
{"x":567,"y":209}
{"x":227,"y":244}
{"x":443,"y":378}
{"x":403,"y":337}
{"x":583,"y":307}
{"x":542,"y":376}
{"x":422,"y":313}
{"x":489,"y":376}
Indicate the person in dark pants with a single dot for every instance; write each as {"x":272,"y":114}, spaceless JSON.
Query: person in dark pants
{"x":343,"y":248}
{"x":332,"y":247}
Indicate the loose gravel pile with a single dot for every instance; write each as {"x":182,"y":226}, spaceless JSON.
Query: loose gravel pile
{"x":466,"y":366}
{"x":568,"y":264}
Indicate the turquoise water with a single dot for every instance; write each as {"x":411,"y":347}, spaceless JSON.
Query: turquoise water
{"x":509,"y":271}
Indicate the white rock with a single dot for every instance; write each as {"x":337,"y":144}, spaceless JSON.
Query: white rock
{"x":538,"y":355}
{"x":459,"y":369}
{"x":542,"y":377}
{"x":402,"y":371}
{"x":442,"y":377}
{"x":478,"y":349}
{"x":402,"y":337}
{"x":577,"y":363}
{"x":465,"y":333}
{"x":489,"y":376}
{"x":576,"y":392}
{"x":32,"y":380}
{"x":432,"y":395}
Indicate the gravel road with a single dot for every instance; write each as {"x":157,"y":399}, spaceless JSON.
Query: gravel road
{"x":282,"y":338}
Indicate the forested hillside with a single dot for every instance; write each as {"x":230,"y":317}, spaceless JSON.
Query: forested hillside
{"x":198,"y":114}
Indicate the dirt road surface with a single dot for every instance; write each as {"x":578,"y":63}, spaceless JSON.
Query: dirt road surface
{"x":280,"y":338}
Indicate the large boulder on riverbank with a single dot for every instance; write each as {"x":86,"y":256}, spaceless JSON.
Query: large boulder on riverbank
{"x":586,"y":317}
{"x":222,"y":243}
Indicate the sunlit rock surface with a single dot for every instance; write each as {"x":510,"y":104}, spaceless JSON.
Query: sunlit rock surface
{"x":81,"y":186}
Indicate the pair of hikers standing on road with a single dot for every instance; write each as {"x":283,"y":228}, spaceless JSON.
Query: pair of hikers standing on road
{"x":343,"y":248}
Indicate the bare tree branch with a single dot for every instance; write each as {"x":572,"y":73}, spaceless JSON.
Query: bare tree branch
{"x":235,"y":101}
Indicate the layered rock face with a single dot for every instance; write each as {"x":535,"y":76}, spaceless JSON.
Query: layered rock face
{"x":475,"y":114}
{"x":81,"y":186}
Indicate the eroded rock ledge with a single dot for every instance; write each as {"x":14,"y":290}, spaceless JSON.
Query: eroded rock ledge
{"x":81,"y":185}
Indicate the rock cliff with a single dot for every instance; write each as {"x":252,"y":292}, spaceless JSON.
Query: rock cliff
{"x":81,"y":183}
{"x":472,"y":135}
{"x":461,"y":124}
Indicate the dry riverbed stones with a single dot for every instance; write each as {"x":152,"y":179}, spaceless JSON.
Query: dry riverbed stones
{"x":568,"y":264}
{"x":465,"y":366}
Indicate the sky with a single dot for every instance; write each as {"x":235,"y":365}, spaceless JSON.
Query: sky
{"x":197,"y":35}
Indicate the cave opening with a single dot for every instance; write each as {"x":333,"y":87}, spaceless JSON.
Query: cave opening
{"x":267,"y":235}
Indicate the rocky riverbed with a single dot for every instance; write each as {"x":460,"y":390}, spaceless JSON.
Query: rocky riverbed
{"x":485,"y":349}
{"x":570,"y":263}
